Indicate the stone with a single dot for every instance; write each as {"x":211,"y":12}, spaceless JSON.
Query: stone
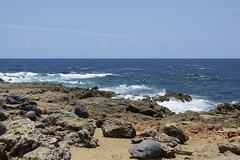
{"x":232,"y":147}
{"x":52,"y":152}
{"x":3,"y":129}
{"x":2,"y":103}
{"x":167,"y":140}
{"x":177,"y":132}
{"x":116,"y":129}
{"x":15,"y":98}
{"x":3,"y":117}
{"x":81,"y":138}
{"x":136,"y":140}
{"x":31,"y":115}
{"x":99,"y":123}
{"x":147,"y":149}
{"x":81,"y":111}
{"x":26,"y":106}
{"x":168,"y":152}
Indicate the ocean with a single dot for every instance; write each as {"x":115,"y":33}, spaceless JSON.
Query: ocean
{"x":208,"y":81}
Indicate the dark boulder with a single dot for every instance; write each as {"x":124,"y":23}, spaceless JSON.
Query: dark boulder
{"x":99,"y":123}
{"x":3,"y":117}
{"x":176,"y":132}
{"x":3,"y":129}
{"x":2,"y":103}
{"x":147,"y":149}
{"x":116,"y":129}
{"x":15,"y":98}
{"x":31,"y":106}
{"x":1,"y":80}
{"x":81,"y":111}
{"x":31,"y":115}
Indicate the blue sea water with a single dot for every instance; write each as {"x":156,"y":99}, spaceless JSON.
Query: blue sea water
{"x":209,"y":81}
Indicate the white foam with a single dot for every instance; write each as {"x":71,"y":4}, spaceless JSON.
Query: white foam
{"x":162,"y":92}
{"x":125,"y":89}
{"x":84,"y":76}
{"x":70,"y":78}
{"x":197,"y":104}
{"x":130,"y":97}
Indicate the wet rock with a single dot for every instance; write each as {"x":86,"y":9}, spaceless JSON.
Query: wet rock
{"x":81,"y":111}
{"x":147,"y":149}
{"x":170,"y":95}
{"x":3,"y":129}
{"x":3,"y":117}
{"x":1,"y":80}
{"x":15,"y":98}
{"x":232,"y":147}
{"x":176,"y":131}
{"x":31,"y":115}
{"x":116,"y":129}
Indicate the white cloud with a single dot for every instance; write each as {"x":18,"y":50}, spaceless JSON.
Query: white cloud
{"x":74,"y":31}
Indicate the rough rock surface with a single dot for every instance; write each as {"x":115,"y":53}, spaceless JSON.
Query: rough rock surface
{"x":81,"y":111}
{"x":3,"y":129}
{"x":116,"y":129}
{"x":147,"y":149}
{"x":3,"y":117}
{"x":15,"y":98}
{"x":232,"y":147}
{"x":177,"y":132}
{"x":23,"y":137}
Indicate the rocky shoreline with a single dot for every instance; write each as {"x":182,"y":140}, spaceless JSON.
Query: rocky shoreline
{"x":44,"y":121}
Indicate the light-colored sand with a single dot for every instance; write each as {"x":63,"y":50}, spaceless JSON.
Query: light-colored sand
{"x":109,"y":149}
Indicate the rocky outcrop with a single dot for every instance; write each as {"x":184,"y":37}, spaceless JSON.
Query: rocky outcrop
{"x":23,"y":138}
{"x":173,"y":95}
{"x":232,"y":147}
{"x":227,"y":109}
{"x":117,"y":129}
{"x":176,"y":132}
{"x":147,"y":149}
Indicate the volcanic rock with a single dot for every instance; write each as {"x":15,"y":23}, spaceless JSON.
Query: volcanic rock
{"x":175,"y":131}
{"x":147,"y":149}
{"x":116,"y":129}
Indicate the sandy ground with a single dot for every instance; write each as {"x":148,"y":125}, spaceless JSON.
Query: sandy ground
{"x":109,"y":149}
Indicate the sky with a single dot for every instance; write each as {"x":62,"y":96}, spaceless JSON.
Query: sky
{"x":120,"y":29}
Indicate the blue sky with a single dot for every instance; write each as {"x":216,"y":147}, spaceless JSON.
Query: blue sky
{"x":120,"y":29}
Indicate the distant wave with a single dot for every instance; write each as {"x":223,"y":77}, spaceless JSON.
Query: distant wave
{"x":126,"y":89}
{"x":71,"y":78}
